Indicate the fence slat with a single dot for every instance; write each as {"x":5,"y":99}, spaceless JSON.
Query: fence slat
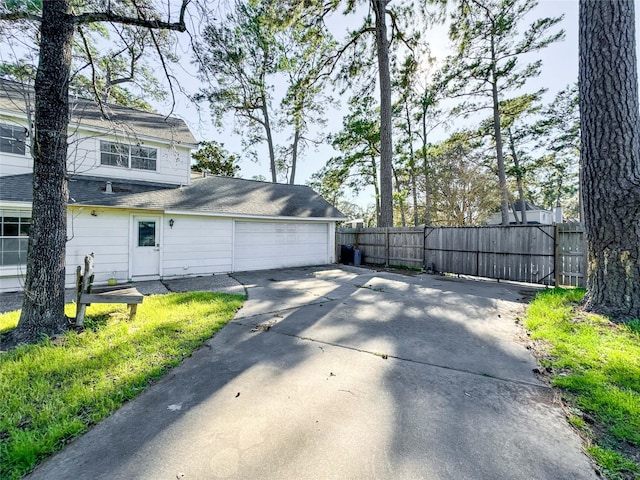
{"x":544,"y":254}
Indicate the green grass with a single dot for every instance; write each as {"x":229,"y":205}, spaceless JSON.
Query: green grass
{"x":55,"y":390}
{"x":597,"y":363}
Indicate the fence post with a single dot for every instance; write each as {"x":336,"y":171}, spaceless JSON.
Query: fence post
{"x":556,"y":256}
{"x":386,"y":246}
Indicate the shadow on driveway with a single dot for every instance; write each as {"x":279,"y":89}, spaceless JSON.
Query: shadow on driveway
{"x":331,"y":372}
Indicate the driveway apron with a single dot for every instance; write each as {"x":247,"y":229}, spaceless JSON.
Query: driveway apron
{"x":345,"y":373}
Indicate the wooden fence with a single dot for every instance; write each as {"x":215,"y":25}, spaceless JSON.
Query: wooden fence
{"x":546,"y":254}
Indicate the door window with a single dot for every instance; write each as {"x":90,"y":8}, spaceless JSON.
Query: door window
{"x":146,"y":234}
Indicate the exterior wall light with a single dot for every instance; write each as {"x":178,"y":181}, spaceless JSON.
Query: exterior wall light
{"x":171,"y":222}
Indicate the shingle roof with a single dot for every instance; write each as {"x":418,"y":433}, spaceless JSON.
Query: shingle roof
{"x":115,"y":119}
{"x":212,"y":195}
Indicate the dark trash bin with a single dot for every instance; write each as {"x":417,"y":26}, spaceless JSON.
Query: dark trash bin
{"x":346,"y":254}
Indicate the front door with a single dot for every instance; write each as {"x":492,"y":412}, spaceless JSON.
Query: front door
{"x":146,"y":246}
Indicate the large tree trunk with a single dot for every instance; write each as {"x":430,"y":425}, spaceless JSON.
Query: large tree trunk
{"x":386,"y":146}
{"x":43,"y":306}
{"x":608,"y":81}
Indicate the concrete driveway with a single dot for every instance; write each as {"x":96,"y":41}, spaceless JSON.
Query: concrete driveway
{"x":345,"y":373}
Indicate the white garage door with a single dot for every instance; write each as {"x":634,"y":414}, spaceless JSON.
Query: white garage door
{"x":263,"y":245}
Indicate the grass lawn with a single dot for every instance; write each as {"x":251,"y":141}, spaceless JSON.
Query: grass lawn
{"x":596,"y":363}
{"x":54,"y":391}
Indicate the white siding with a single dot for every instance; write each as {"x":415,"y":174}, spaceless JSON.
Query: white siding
{"x":12,"y":164}
{"x":197,"y":245}
{"x":83,"y":158}
{"x":194,"y":246}
{"x":12,"y":278}
{"x":263,"y":245}
{"x":173,"y":164}
{"x":106,"y":235}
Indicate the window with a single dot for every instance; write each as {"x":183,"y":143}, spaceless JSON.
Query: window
{"x":114,"y":154}
{"x":12,"y":139}
{"x":125,"y":156}
{"x":14,"y":236}
{"x":143,"y":158}
{"x":146,"y":234}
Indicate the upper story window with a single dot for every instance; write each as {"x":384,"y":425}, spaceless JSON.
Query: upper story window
{"x":14,"y":236}
{"x":125,"y":156}
{"x":12,"y":139}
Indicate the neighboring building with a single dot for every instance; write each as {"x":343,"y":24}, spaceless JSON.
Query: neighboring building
{"x":535,"y":216}
{"x":355,"y":223}
{"x":133,"y":202}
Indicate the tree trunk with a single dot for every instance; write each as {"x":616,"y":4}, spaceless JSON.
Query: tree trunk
{"x":386,"y":146}
{"x":608,"y":82}
{"x":294,"y":155}
{"x":376,"y":188}
{"x":412,"y":166}
{"x":267,"y":130}
{"x":502,"y":176}
{"x":516,"y":164}
{"x":425,"y":165}
{"x":43,"y":305}
{"x":401,"y":204}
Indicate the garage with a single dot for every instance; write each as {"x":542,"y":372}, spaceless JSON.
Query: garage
{"x":262,"y":245}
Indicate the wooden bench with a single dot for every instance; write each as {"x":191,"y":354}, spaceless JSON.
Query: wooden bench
{"x":86,"y":296}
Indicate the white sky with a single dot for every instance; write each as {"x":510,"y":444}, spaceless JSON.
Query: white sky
{"x":559,"y":68}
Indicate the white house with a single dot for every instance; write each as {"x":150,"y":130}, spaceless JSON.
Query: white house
{"x":535,"y":215}
{"x":132,"y":202}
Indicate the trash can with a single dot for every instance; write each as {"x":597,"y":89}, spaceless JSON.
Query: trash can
{"x":346,"y":254}
{"x":357,"y":256}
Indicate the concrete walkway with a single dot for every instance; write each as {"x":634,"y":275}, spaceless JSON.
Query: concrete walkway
{"x":344,"y":373}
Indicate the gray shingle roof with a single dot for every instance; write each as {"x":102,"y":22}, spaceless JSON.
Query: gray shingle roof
{"x":212,"y":195}
{"x":115,"y":119}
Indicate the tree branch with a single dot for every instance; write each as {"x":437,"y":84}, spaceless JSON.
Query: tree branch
{"x":108,"y":16}
{"x":20,"y":16}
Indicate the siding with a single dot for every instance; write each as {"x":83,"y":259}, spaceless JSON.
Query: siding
{"x":107,"y":236}
{"x":12,"y":164}
{"x":83,"y":158}
{"x":197,"y":246}
{"x":173,"y":164}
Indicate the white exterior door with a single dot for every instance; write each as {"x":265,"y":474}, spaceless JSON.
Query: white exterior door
{"x":146,"y":247}
{"x":264,"y":245}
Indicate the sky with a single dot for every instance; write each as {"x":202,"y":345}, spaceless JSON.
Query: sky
{"x":559,"y":69}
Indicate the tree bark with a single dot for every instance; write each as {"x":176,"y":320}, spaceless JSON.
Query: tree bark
{"x":608,"y":82}
{"x":516,"y":164}
{"x":386,"y":145}
{"x":502,"y":176}
{"x":401,"y":204}
{"x":425,"y":164}
{"x":43,"y":305}
{"x":376,"y":188}
{"x":267,"y":129}
{"x":294,"y":155}
{"x":412,"y":166}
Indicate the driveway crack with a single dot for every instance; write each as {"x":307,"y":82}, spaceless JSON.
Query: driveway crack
{"x":385,"y":356}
